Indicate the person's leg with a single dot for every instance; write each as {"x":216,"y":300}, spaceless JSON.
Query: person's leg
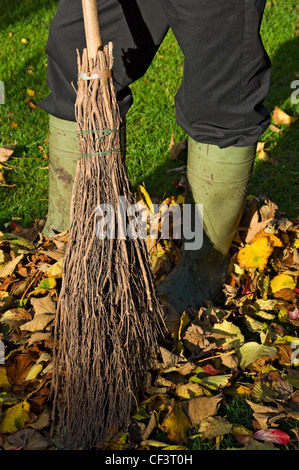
{"x":220,"y":106}
{"x":136,"y":29}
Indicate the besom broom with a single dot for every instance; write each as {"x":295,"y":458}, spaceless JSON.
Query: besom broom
{"x":109,"y":315}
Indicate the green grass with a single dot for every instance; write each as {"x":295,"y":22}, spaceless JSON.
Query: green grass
{"x":150,"y":121}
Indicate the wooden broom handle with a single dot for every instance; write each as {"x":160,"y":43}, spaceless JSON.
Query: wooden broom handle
{"x":92,"y":28}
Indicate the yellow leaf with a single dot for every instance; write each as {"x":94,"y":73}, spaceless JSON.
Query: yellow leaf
{"x":185,"y":319}
{"x":56,"y":269}
{"x":153,"y":443}
{"x":119,"y":442}
{"x":143,"y":194}
{"x":176,"y":424}
{"x":15,"y":418}
{"x":263,"y":156}
{"x":30,"y":93}
{"x":24,"y":41}
{"x":4,"y":383}
{"x":175,"y":448}
{"x":238,"y":390}
{"x":256,"y":254}
{"x":275,"y":241}
{"x":282,"y":281}
{"x":44,"y":286}
{"x":283,"y":315}
{"x":280,"y":117}
{"x":34,"y":371}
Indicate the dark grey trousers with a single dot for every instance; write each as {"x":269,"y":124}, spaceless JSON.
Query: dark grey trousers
{"x":226,"y":69}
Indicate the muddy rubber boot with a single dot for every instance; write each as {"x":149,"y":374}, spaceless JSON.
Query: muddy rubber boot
{"x":63,"y":156}
{"x":217,"y":179}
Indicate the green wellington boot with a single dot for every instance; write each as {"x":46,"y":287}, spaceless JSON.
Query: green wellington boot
{"x":217,"y":179}
{"x":63,"y":156}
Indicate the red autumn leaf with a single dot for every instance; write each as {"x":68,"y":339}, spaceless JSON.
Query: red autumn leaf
{"x":210,"y":370}
{"x":272,"y":435}
{"x":246,"y":289}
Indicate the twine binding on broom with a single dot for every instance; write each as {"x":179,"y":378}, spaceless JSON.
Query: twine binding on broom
{"x":109,"y":316}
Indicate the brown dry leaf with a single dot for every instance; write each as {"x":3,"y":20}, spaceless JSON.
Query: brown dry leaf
{"x":5,"y":154}
{"x":42,"y":421}
{"x":230,"y":360}
{"x":255,"y":227}
{"x":43,"y":304}
{"x":152,"y":424}
{"x":172,"y":141}
{"x":189,"y":390}
{"x":172,"y":320}
{"x":15,"y":317}
{"x":39,"y":322}
{"x":285,"y":294}
{"x":176,"y":423}
{"x":38,"y":337}
{"x":177,"y":148}
{"x":214,"y":426}
{"x":280,"y":117}
{"x":9,"y":268}
{"x":263,"y":413}
{"x":282,"y":388}
{"x":195,"y":339}
{"x":168,"y":359}
{"x":20,"y":367}
{"x":202,"y":407}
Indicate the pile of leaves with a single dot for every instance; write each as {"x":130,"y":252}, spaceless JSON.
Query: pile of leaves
{"x":242,"y":351}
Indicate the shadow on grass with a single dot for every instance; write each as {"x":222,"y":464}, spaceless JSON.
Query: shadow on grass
{"x":280,"y":181}
{"x":21,"y":10}
{"x":277,"y":181}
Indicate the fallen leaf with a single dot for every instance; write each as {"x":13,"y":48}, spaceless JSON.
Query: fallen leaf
{"x":256,"y":254}
{"x":30,"y":92}
{"x":200,"y":408}
{"x":214,"y":426}
{"x":189,"y":390}
{"x":280,"y":117}
{"x":282,"y":281}
{"x":9,"y":268}
{"x":251,"y":351}
{"x":43,"y":304}
{"x":176,"y":423}
{"x":272,"y":435}
{"x":4,"y":382}
{"x":5,"y":154}
{"x":39,"y":322}
{"x":15,"y":317}
{"x":15,"y":418}
{"x":20,"y":367}
{"x":42,"y":421}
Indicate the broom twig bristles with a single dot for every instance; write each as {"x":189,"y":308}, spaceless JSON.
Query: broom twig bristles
{"x":109,"y":315}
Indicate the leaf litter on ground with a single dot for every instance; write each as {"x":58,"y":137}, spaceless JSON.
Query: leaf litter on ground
{"x":246,"y":348}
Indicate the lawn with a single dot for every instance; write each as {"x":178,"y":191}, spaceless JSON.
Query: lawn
{"x":150,"y":122}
